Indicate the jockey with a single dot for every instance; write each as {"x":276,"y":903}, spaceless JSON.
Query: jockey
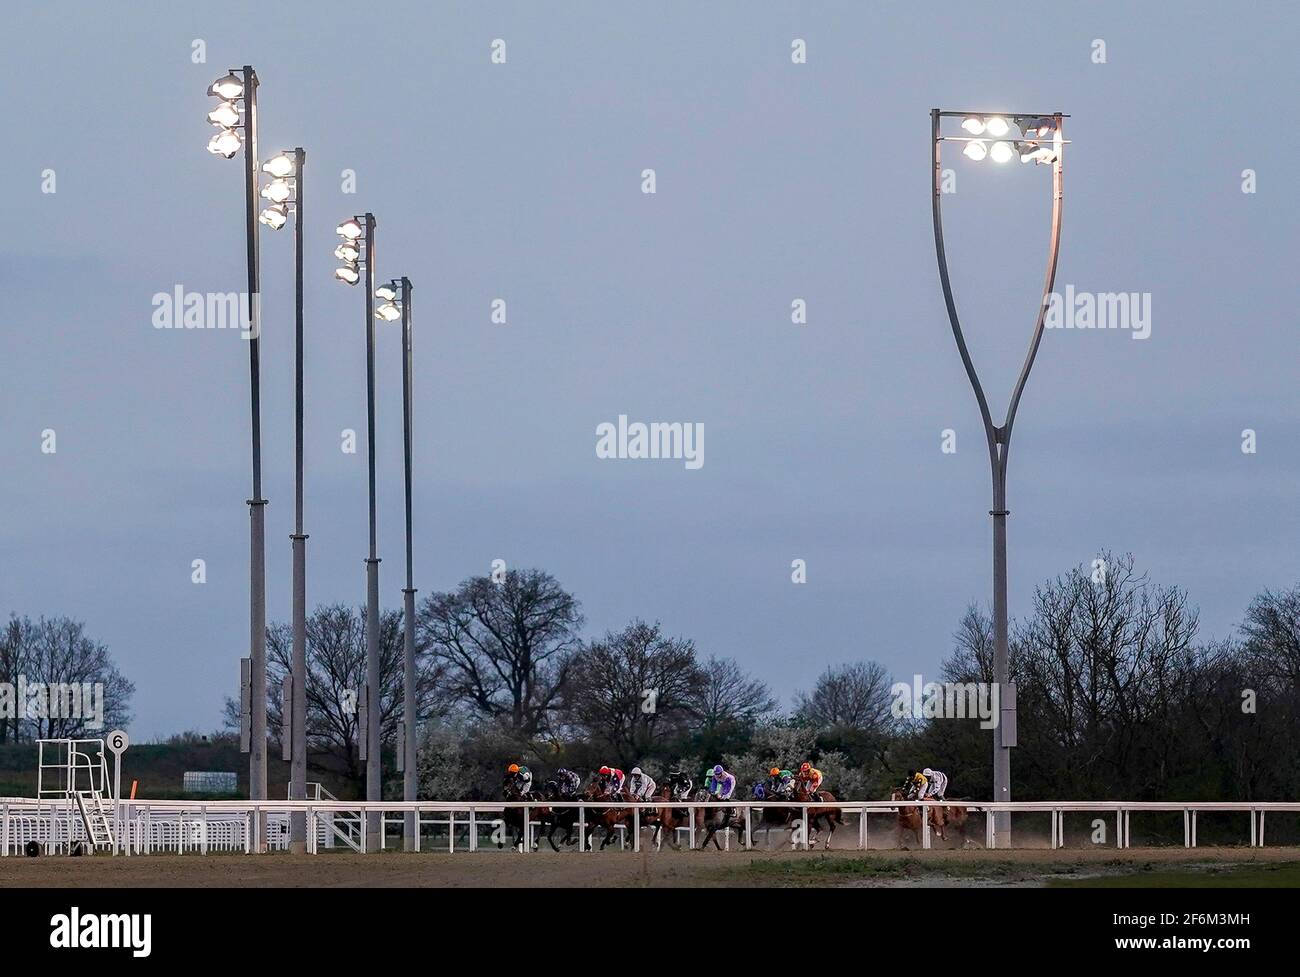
{"x":611,"y":781}
{"x":917,"y":785}
{"x":569,"y":783}
{"x":720,"y":784}
{"x":938,"y":785}
{"x":810,"y":777}
{"x":679,"y":785}
{"x":641,"y":787}
{"x":519,"y":780}
{"x":781,"y":783}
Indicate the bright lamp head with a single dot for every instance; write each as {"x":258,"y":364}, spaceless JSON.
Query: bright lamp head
{"x":274,"y":216}
{"x":1000,"y":152}
{"x":386,"y":292}
{"x":996,"y":126}
{"x":277,"y":191}
{"x":347,"y":251}
{"x":227,"y":87}
{"x":973,"y":124}
{"x":389,"y":312}
{"x":350,"y":229}
{"x":225,"y":143}
{"x":226,"y":115}
{"x":280,"y":166}
{"x":348,"y":274}
{"x":976,"y":150}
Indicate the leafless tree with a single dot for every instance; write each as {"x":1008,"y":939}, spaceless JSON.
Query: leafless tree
{"x":506,"y":646}
{"x":632,"y":688}
{"x":336,"y":672}
{"x":73,"y":687}
{"x":726,"y":694}
{"x":853,"y":696}
{"x":16,"y":648}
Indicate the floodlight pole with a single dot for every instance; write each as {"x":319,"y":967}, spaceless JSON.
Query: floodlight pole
{"x":298,"y":708}
{"x":257,"y":504}
{"x":999,"y":444}
{"x":411,"y":828}
{"x":374,"y":770}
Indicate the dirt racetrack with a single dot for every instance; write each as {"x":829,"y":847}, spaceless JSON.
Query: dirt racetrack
{"x":1268,"y":866}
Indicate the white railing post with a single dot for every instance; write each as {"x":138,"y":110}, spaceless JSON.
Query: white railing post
{"x":925,"y":826}
{"x":636,"y":828}
{"x":690,"y":837}
{"x":582,"y":826}
{"x":473,"y":830}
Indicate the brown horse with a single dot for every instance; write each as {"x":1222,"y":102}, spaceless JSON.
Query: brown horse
{"x":954,"y":817}
{"x":667,"y":819}
{"x":909,"y":818}
{"x":607,"y":817}
{"x":831,"y":815}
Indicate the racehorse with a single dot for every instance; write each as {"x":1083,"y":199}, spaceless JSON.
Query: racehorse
{"x":717,"y":819}
{"x":772,"y":817}
{"x":513,"y":817}
{"x":559,"y":817}
{"x":606,"y":817}
{"x":832,"y":815}
{"x":909,"y":818}
{"x":667,"y":819}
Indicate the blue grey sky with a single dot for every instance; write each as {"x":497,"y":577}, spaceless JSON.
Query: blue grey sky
{"x":522,"y":181}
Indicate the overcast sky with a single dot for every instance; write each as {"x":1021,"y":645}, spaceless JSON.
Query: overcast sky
{"x":523,"y":181}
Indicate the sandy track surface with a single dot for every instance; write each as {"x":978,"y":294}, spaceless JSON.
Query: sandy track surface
{"x":606,"y":869}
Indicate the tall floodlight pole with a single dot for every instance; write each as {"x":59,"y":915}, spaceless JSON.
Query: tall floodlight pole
{"x":1041,"y":142}
{"x":361,"y":230}
{"x":284,"y":193}
{"x":397,"y":294}
{"x":232,"y":89}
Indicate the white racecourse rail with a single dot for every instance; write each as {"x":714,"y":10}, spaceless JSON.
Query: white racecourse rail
{"x":149,"y":826}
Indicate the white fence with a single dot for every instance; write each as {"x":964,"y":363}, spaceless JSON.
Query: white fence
{"x":150,"y":826}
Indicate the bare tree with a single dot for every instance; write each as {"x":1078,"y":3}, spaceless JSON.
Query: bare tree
{"x":1272,"y":636}
{"x":506,"y":646}
{"x":16,"y":648}
{"x":854,"y":696}
{"x":336,"y":672}
{"x":632,"y":688}
{"x":1104,"y":665}
{"x":73,"y":687}
{"x":972,"y":658}
{"x":727,"y":695}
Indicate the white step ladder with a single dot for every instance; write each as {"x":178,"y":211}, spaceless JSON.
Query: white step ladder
{"x":97,"y":817}
{"x":72,"y":775}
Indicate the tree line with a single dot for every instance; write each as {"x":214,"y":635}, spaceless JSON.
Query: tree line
{"x":1117,"y":694}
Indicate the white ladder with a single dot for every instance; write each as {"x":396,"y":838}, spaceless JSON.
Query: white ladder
{"x":96,"y":815}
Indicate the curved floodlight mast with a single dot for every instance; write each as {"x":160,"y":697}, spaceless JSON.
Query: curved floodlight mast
{"x":1039,"y":129}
